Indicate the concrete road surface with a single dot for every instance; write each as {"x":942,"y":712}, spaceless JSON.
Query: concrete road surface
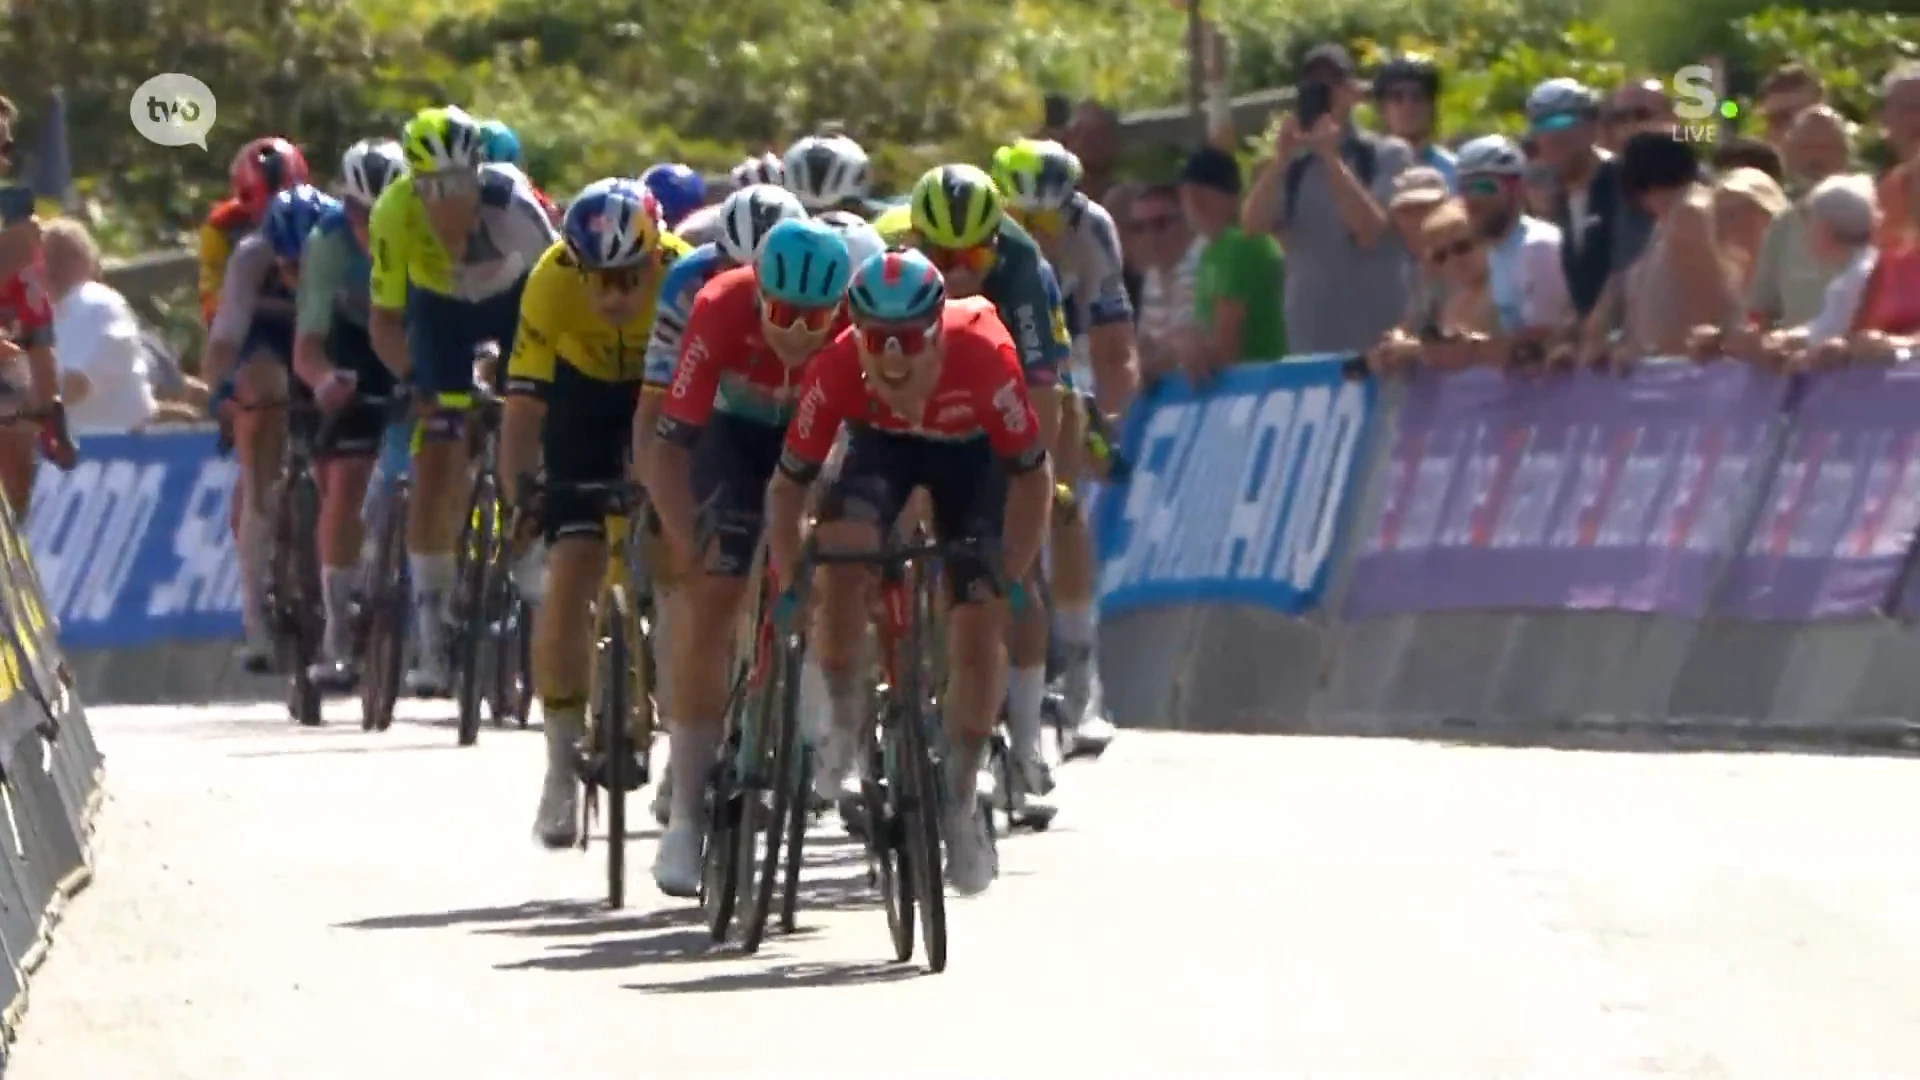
{"x":275,"y":904}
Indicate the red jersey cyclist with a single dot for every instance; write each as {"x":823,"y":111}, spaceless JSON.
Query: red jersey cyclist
{"x":934,"y":397}
{"x":720,"y":434}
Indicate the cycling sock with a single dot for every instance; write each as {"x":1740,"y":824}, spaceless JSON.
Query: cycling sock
{"x":814,"y":697}
{"x":1026,"y":689}
{"x":336,"y":587}
{"x":432,"y":580}
{"x":690,"y":751}
{"x":564,"y":722}
{"x":1074,"y":625}
{"x":256,"y":543}
{"x":970,"y":757}
{"x":844,"y":700}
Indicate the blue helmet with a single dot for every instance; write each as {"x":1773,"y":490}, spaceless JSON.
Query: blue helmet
{"x":899,"y":285}
{"x":612,"y":224}
{"x":679,"y":188}
{"x":498,"y":143}
{"x":292,"y":215}
{"x":803,"y":263}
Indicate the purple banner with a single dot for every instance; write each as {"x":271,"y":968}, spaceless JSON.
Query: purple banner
{"x":1833,"y":534}
{"x":1576,"y":492}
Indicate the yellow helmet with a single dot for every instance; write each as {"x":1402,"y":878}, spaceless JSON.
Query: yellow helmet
{"x":1036,"y":174}
{"x":441,"y":138}
{"x":956,"y":207}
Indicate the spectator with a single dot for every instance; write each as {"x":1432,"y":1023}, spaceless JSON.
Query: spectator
{"x":1679,"y":282}
{"x":1529,"y":287}
{"x":1324,"y":193}
{"x":1789,"y":284}
{"x":1542,"y":186}
{"x":1167,"y":255}
{"x":1640,"y":105}
{"x":103,"y":363}
{"x":1900,"y":122}
{"x":1790,"y":90}
{"x":1741,"y":152}
{"x":1406,"y":90}
{"x":1601,"y":230}
{"x":1238,"y":276}
{"x":1094,"y":137}
{"x":1890,"y":302}
{"x":1417,"y":193}
{"x":1745,"y":204}
{"x":1840,"y":215}
{"x":1466,"y":310}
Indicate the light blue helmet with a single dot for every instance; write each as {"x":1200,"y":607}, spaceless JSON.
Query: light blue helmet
{"x":803,"y":263}
{"x":498,"y":143}
{"x":899,"y":285}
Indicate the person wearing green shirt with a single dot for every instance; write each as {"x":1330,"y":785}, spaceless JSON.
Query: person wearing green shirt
{"x":1236,"y":290}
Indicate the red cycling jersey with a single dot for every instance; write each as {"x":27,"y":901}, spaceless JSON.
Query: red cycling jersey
{"x":981,"y":390}
{"x":725,"y":363}
{"x":26,"y":317}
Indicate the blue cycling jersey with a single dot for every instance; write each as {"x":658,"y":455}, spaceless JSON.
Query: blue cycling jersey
{"x":683,"y":282}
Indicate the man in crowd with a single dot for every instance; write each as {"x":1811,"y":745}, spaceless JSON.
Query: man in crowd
{"x":1523,"y":253}
{"x":1790,"y":90}
{"x":1094,"y":137}
{"x":1638,"y":105}
{"x":1406,"y":90}
{"x":103,"y":359}
{"x":1238,"y":276}
{"x":1789,"y":284}
{"x":1601,"y":231}
{"x":1167,"y":255}
{"x":1324,"y":194}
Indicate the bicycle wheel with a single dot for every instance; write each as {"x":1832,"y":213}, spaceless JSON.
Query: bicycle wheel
{"x":720,"y":874}
{"x":470,"y":621}
{"x":612,"y":727}
{"x":919,"y":769}
{"x":299,"y":596}
{"x":386,"y":615}
{"x":797,"y":821}
{"x":886,"y":837}
{"x":782,"y":688}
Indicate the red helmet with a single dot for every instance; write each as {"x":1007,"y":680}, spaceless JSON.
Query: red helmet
{"x":264,"y":168}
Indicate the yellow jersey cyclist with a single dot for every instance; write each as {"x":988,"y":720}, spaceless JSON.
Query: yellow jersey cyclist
{"x":573,"y":386}
{"x":957,"y":216}
{"x":333,"y":356}
{"x":1040,"y":181}
{"x":453,"y":243}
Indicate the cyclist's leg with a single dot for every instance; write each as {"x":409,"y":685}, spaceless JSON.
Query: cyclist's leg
{"x":576,"y":538}
{"x":259,"y":439}
{"x":969,"y":495}
{"x":345,"y":461}
{"x":1071,"y":552}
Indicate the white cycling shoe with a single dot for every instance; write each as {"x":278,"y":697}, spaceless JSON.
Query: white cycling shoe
{"x":678,"y":864}
{"x":833,"y":765}
{"x":557,"y":823}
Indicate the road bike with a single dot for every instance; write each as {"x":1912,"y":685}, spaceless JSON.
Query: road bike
{"x":491,"y":637}
{"x":384,"y":605}
{"x":291,"y":600}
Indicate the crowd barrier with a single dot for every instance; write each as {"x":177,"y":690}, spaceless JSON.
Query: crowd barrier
{"x":1699,"y":546}
{"x":138,"y":562}
{"x":50,"y":773}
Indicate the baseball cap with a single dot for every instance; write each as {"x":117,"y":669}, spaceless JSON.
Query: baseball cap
{"x":1491,"y":154}
{"x":1558,"y":104}
{"x":1213,"y":168}
{"x":1327,"y":55}
{"x":1421,"y":185}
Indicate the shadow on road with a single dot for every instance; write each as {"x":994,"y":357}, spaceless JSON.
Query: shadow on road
{"x":685,"y":945}
{"x":787,"y":976}
{"x":586,"y":912}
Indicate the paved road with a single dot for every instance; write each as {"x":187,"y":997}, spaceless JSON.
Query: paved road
{"x":282,"y":903}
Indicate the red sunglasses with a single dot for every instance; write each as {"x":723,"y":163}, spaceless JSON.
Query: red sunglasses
{"x":908,"y":339}
{"x":782,"y":315}
{"x":979,"y":258}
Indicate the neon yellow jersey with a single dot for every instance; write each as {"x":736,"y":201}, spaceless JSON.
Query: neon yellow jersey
{"x":896,"y":225}
{"x":510,"y":235}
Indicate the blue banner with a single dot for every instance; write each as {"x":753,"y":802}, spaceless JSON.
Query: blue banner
{"x":1237,"y":489}
{"x":133,"y":545}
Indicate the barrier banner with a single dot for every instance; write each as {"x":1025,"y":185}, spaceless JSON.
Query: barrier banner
{"x":1236,"y":488}
{"x":1584,"y":491}
{"x":1838,"y":520}
{"x":133,"y":546}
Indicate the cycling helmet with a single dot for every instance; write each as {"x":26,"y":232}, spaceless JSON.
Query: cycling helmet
{"x":612,"y":224}
{"x":265,"y":167}
{"x":677,"y":188}
{"x":765,"y":169}
{"x":827,"y":170}
{"x":1036,"y":174}
{"x":955,"y":207}
{"x":368,"y":167}
{"x":863,"y":240}
{"x":498,"y":143}
{"x":803,"y":263}
{"x":748,"y":215}
{"x":1492,"y":154}
{"x":441,"y":138}
{"x":292,"y":215}
{"x":898,"y":285}
{"x":1398,"y":70}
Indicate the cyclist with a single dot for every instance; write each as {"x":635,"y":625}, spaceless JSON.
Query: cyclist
{"x":679,"y":189}
{"x":262,"y":169}
{"x":334,"y":357}
{"x":1040,"y":181}
{"x":747,"y":215}
{"x":863,"y":241}
{"x":828,"y":172}
{"x":500,"y":146}
{"x":573,"y":383}
{"x":979,"y":455}
{"x":249,"y":349}
{"x":751,"y":331}
{"x":767,"y":168}
{"x":453,"y":243}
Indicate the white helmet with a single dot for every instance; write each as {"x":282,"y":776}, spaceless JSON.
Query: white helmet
{"x":863,"y":240}
{"x":748,"y":215}
{"x":369,"y":166}
{"x":1495,"y":154}
{"x":826,"y":170}
{"x":765,"y":169}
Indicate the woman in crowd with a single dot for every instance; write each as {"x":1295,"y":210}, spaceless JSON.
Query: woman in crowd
{"x":1457,"y":316}
{"x":1680,"y":281}
{"x":1841,"y":217}
{"x":1745,"y":203}
{"x":1889,"y":312}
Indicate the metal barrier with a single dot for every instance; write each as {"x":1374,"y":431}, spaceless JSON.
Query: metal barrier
{"x":1683,"y":547}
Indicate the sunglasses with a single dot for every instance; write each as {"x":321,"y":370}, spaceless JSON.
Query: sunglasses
{"x":1041,"y":222}
{"x":782,"y":315}
{"x":447,"y":183}
{"x":1404,"y":93}
{"x":1481,"y":185}
{"x":1444,"y":253}
{"x":617,"y":279}
{"x":908,"y":339}
{"x":979,"y":258}
{"x":1156,"y":223}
